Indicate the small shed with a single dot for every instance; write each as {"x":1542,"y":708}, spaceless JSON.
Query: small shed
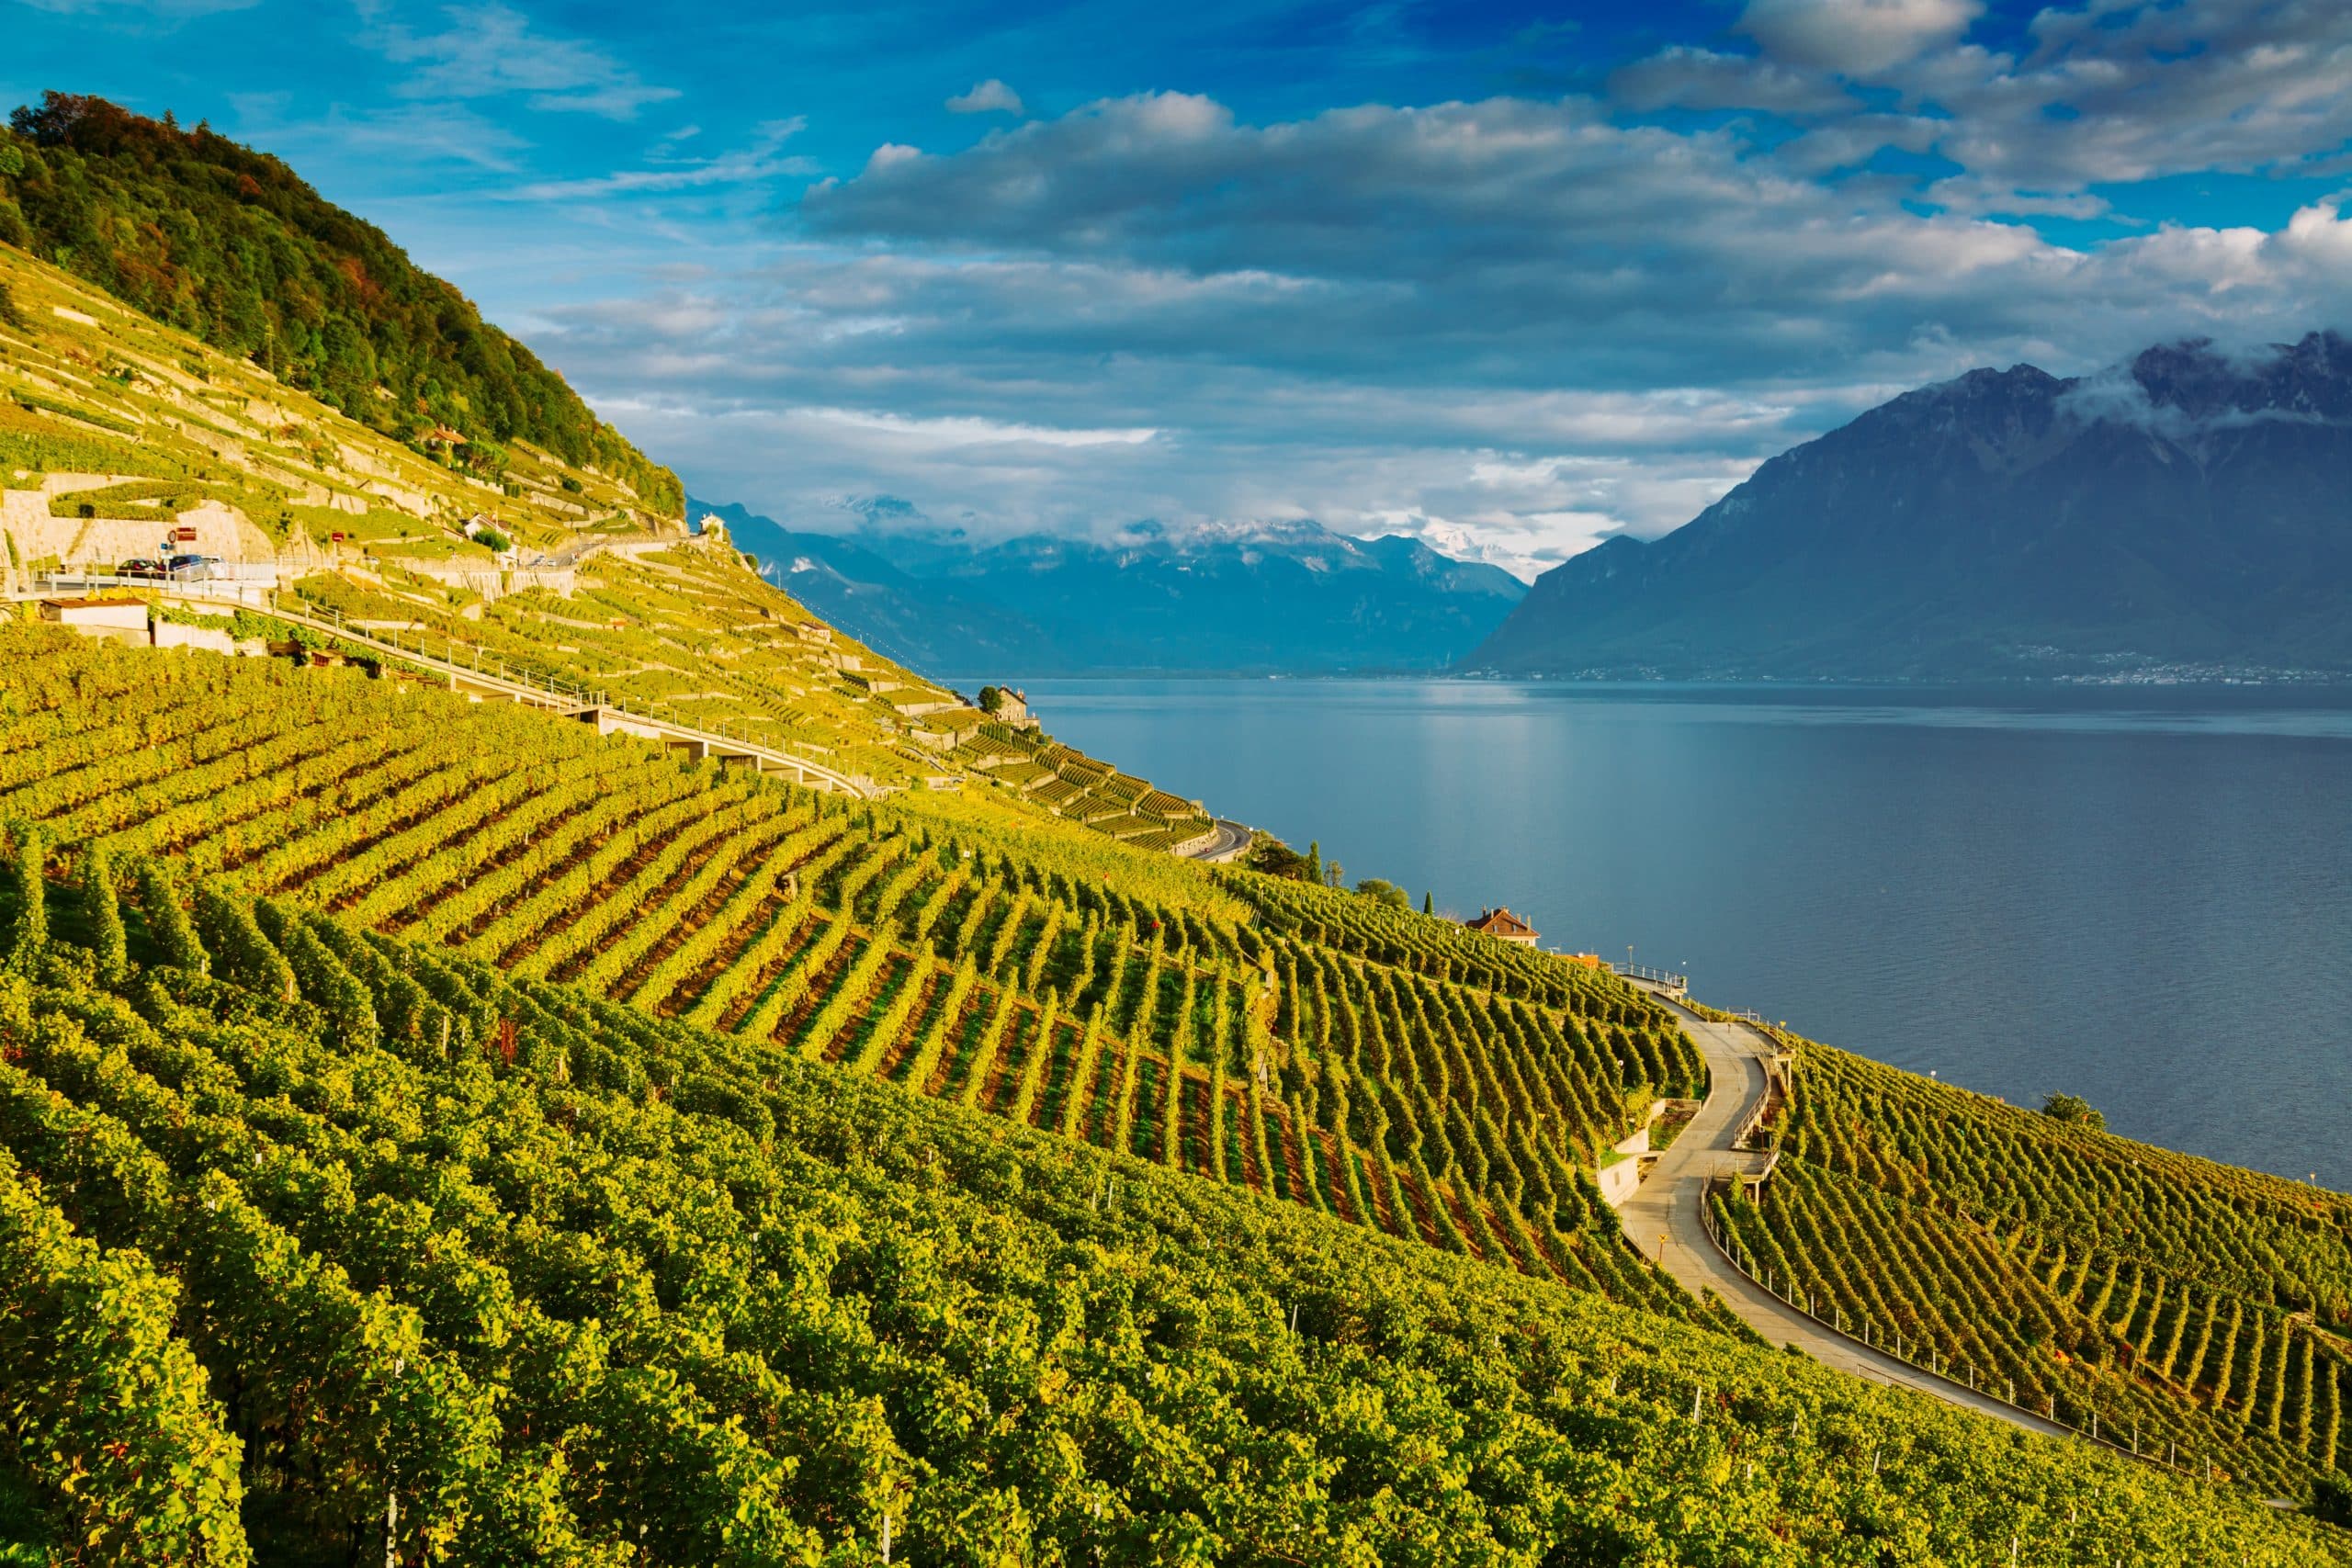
{"x":112,"y":620}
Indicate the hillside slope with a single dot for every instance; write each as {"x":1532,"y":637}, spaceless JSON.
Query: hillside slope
{"x":1393,"y":1070}
{"x":230,"y":245}
{"x":538,"y":1078}
{"x":117,"y":432}
{"x":1289,"y":598}
{"x":2202,"y":1311}
{"x":2183,"y":512}
{"x":488,"y":1271}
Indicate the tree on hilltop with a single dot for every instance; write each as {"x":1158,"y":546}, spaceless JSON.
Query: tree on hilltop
{"x":2074,"y":1111}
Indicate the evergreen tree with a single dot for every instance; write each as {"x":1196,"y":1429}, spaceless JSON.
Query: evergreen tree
{"x":1315,"y":861}
{"x":1429,"y":904}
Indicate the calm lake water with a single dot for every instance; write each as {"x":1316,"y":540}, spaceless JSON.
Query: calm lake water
{"x":2142,"y":896}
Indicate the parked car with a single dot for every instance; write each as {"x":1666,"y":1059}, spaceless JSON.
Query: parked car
{"x":192,"y":569}
{"x":142,"y":568}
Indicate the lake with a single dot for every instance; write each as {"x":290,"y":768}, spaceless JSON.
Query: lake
{"x":2142,"y":895}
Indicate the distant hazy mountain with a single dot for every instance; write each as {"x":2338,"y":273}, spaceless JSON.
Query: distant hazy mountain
{"x":1291,"y":597}
{"x":2190,"y":508}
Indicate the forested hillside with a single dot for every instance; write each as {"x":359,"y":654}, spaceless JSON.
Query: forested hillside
{"x":230,"y":245}
{"x":321,"y":1245}
{"x":2199,"y":1309}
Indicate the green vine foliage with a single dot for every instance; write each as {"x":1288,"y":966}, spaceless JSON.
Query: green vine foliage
{"x":530,"y":1275}
{"x":101,"y":913}
{"x":2195,"y":1309}
{"x":107,"y":1411}
{"x":28,"y":928}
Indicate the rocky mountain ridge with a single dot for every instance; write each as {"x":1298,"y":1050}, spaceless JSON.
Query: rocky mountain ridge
{"x":2185,"y":510}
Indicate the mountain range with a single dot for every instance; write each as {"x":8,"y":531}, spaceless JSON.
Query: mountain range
{"x":2185,"y":513}
{"x":1289,"y":597}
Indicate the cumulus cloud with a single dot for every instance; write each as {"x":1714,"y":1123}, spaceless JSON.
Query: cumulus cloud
{"x":1492,"y":242}
{"x":1689,"y":78}
{"x":992,"y":96}
{"x":1496,"y":322}
{"x":1854,"y":37}
{"x":1510,"y":327}
{"x":2107,"y":92}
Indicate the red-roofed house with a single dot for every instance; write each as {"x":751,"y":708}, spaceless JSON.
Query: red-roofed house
{"x":1502,"y":924}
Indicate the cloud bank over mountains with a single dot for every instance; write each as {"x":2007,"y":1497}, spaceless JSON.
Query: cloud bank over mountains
{"x":1583,"y":289}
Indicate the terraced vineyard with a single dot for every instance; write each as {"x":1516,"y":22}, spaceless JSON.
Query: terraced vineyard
{"x":1070,"y":784}
{"x":2201,"y":1309}
{"x":1408,"y":1075}
{"x":322,"y":1243}
{"x":114,"y":428}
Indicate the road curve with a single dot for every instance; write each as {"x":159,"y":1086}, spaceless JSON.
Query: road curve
{"x":1666,"y":1206}
{"x":1232,"y":838}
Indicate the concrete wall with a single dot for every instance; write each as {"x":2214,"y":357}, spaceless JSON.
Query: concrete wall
{"x":100,"y":542}
{"x":213,"y":639}
{"x":125,"y":623}
{"x":1619,"y":1182}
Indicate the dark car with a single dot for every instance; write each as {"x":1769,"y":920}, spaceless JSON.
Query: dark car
{"x":143,"y":567}
{"x":188,"y":568}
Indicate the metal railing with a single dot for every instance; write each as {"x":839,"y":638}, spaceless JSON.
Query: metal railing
{"x":464,"y":661}
{"x":468,"y":662}
{"x":1935,"y":1366}
{"x":1664,"y":977}
{"x":182,"y":583}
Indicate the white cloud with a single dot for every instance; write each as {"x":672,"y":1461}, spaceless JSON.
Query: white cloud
{"x":751,"y":165}
{"x":1684,"y":77}
{"x":1511,"y":327}
{"x":488,"y":51}
{"x":2106,"y":92}
{"x":1854,"y":37}
{"x":969,"y":430}
{"x":992,"y":96}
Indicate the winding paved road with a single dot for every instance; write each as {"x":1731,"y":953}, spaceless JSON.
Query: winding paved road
{"x":1667,"y":1205}
{"x":1232,"y":838}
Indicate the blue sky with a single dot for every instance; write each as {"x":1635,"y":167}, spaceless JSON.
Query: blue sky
{"x":1511,"y":278}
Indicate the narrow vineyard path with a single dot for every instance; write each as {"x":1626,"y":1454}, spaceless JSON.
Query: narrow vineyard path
{"x":1667,"y":1205}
